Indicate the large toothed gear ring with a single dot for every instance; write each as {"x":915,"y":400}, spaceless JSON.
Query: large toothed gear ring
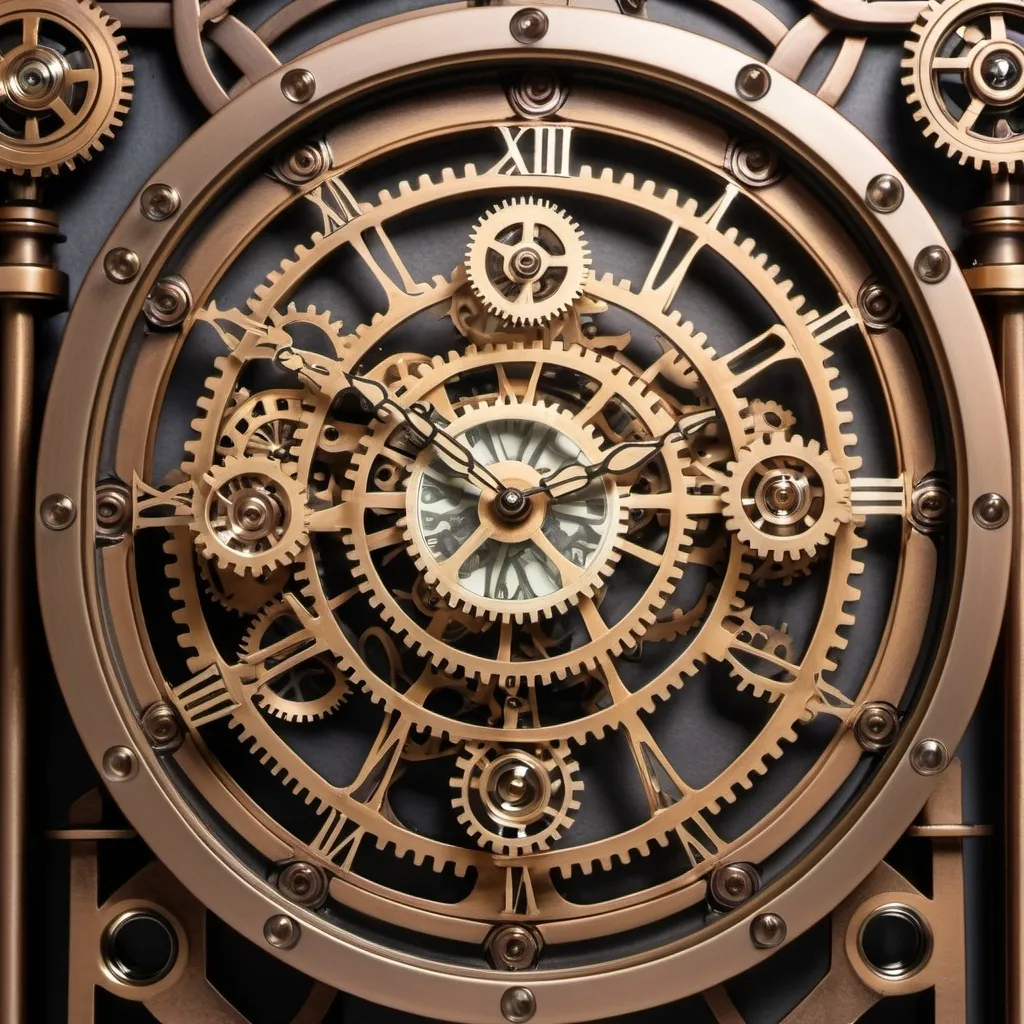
{"x":250,"y":516}
{"x":516,"y":799}
{"x":527,"y":261}
{"x":965,"y":77}
{"x":64,"y":83}
{"x":786,"y":498}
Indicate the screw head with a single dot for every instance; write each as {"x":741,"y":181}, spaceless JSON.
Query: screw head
{"x":57,"y":511}
{"x":282,"y":931}
{"x":528,"y":25}
{"x":878,"y":306}
{"x":518,"y":1005}
{"x":929,"y":506}
{"x":929,"y":757}
{"x":537,"y":94}
{"x":933,"y":263}
{"x":113,"y":510}
{"x":159,"y":201}
{"x":991,"y":511}
{"x":513,"y":947}
{"x":304,"y":884}
{"x":120,"y":764}
{"x":121,"y":265}
{"x":767,"y":931}
{"x":753,"y":82}
{"x":298,"y":85}
{"x":884,"y":193}
{"x":731,"y":885}
{"x":168,"y":303}
{"x":754,"y":163}
{"x":162,"y":727}
{"x":302,"y":165}
{"x":877,"y":726}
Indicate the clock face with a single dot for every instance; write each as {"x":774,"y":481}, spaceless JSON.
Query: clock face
{"x":544,"y":517}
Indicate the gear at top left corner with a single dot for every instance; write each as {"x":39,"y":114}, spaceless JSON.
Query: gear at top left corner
{"x":65,"y":83}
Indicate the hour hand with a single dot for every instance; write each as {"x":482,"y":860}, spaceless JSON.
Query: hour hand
{"x":619,"y":460}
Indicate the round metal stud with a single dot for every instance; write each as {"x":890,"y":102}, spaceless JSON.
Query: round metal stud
{"x":991,"y":511}
{"x":120,"y":764}
{"x":159,"y":202}
{"x":139,"y":947}
{"x":767,"y":931}
{"x":731,"y":885}
{"x":933,"y":263}
{"x":929,"y":757}
{"x":753,"y":82}
{"x":537,"y":94}
{"x":298,"y":85}
{"x":302,"y":165}
{"x":884,"y":193}
{"x":895,"y":942}
{"x":304,"y":884}
{"x":282,"y":931}
{"x":877,"y":726}
{"x":878,"y":306}
{"x":113,"y":510}
{"x":57,"y":511}
{"x":755,"y":164}
{"x":528,"y":25}
{"x":121,"y":265}
{"x":162,"y":727}
{"x":929,"y":506}
{"x":513,"y":947}
{"x":518,"y":1005}
{"x":168,"y":303}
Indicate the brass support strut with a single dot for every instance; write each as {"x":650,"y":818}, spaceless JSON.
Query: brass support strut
{"x":29,"y":284}
{"x":997,"y":280}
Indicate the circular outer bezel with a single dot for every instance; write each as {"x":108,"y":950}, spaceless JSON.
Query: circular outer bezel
{"x":70,"y":565}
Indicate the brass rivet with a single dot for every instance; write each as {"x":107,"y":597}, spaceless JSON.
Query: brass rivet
{"x":113,"y":510}
{"x":162,"y":727}
{"x":877,"y":726}
{"x":528,"y":25}
{"x":929,"y":757}
{"x":302,"y":165}
{"x":121,"y":265}
{"x":929,"y":506}
{"x":753,"y":82}
{"x":159,"y":202}
{"x":767,"y":931}
{"x":878,"y":306}
{"x":298,"y":85}
{"x":518,"y":1005}
{"x":57,"y":511}
{"x":282,"y":931}
{"x":991,"y":511}
{"x":932,"y":264}
{"x":168,"y":303}
{"x":733,"y":884}
{"x":120,"y":764}
{"x":884,"y":193}
{"x":304,"y":884}
{"x":513,"y":947}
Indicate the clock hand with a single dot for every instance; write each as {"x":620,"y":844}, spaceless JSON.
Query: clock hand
{"x":626,"y":457}
{"x":329,"y":377}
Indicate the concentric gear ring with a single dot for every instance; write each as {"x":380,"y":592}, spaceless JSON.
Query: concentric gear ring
{"x":786,"y":497}
{"x":517,"y":799}
{"x":527,"y":261}
{"x":965,"y":79}
{"x":269,"y":423}
{"x":251,"y":516}
{"x":60,"y":100}
{"x":307,"y":692}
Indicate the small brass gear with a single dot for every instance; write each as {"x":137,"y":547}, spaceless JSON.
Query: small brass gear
{"x":269,"y":423}
{"x":516,"y":799}
{"x":308,"y":691}
{"x":65,"y":83}
{"x":244,"y":595}
{"x":527,"y":261}
{"x":965,"y":79}
{"x":250,"y":516}
{"x":785,"y":497}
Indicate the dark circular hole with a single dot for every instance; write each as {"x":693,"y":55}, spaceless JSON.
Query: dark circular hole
{"x":140,"y":947}
{"x":895,"y":942}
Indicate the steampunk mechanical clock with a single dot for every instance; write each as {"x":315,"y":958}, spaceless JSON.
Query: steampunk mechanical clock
{"x":521,"y":505}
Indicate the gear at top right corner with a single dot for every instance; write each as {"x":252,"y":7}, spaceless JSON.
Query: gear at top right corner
{"x":964,"y":75}
{"x":65,"y":83}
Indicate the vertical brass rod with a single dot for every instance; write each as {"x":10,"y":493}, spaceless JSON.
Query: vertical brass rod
{"x":16,"y":375}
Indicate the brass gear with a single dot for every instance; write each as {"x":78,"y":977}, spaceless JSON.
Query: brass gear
{"x":527,"y":261}
{"x":244,"y":595}
{"x":250,"y":516}
{"x":516,"y":799}
{"x":785,"y":497}
{"x":65,"y":84}
{"x":965,"y":79}
{"x":307,"y":692}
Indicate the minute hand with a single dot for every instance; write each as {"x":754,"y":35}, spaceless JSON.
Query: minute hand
{"x":626,"y":457}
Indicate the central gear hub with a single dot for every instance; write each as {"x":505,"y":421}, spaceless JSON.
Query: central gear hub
{"x":527,"y":261}
{"x":512,"y":505}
